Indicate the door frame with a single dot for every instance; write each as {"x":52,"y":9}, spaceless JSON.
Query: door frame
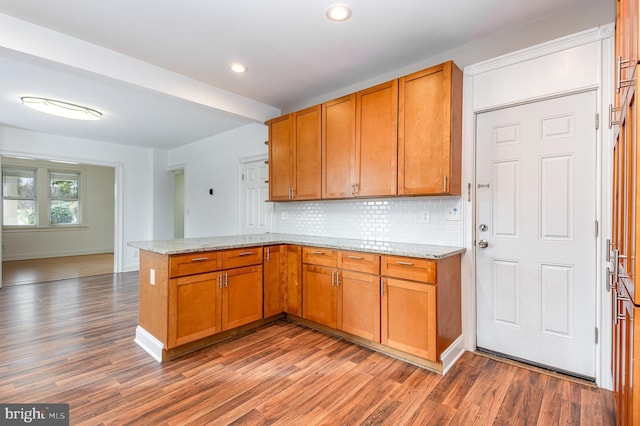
{"x":502,"y":82}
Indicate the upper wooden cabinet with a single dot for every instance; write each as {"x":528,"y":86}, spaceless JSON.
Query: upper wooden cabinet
{"x":377,"y":141}
{"x":430,"y":131}
{"x":294,"y":156}
{"x":402,"y":137}
{"x":338,"y":147}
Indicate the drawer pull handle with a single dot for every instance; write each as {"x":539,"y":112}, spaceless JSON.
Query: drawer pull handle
{"x":356,"y":257}
{"x":199,"y":259}
{"x":245,"y":253}
{"x":405,"y":263}
{"x":317,"y":252}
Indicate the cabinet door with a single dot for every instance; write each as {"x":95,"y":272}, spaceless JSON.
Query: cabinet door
{"x":241,"y":296}
{"x":377,"y":140}
{"x":307,"y":153}
{"x":319,"y":295}
{"x":293,"y":283}
{"x":273,"y":280}
{"x":194,"y":308}
{"x":409,"y":317}
{"x":359,"y":304}
{"x":280,"y":141}
{"x":430,"y":131}
{"x":338,"y":147}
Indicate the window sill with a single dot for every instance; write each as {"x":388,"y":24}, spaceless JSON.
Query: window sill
{"x":53,"y":228}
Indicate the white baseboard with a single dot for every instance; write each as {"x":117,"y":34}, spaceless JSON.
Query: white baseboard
{"x":46,"y":255}
{"x":452,"y":354}
{"x":149,"y":343}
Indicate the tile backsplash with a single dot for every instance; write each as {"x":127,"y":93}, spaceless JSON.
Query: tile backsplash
{"x":424,"y":220}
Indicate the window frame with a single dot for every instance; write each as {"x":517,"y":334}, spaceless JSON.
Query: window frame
{"x":51,"y":198}
{"x":36,"y":205}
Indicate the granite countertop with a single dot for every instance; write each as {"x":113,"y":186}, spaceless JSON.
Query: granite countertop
{"x":193,"y":245}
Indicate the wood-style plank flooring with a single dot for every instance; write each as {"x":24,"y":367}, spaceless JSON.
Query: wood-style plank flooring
{"x":72,"y":341}
{"x":15,"y":272}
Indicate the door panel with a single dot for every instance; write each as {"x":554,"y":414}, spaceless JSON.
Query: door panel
{"x":536,"y":188}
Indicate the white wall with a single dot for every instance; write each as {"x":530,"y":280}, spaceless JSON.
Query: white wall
{"x":133,"y":180}
{"x":214,"y":163}
{"x":95,"y":235}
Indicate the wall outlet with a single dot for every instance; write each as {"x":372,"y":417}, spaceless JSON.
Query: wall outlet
{"x":152,"y":276}
{"x":134,"y":254}
{"x":425,"y":217}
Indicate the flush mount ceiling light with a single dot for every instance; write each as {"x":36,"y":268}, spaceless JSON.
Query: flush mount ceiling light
{"x":239,"y":68}
{"x":60,"y":108}
{"x":338,"y":12}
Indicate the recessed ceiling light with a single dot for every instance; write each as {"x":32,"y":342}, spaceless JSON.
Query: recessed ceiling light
{"x":239,"y":68}
{"x":338,"y":12}
{"x":61,"y":108}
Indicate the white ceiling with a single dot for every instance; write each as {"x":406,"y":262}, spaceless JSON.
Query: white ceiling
{"x":159,"y":69}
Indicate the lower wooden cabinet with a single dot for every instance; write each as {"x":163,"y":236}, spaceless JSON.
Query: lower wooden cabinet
{"x":241,"y":296}
{"x":274,"y":265}
{"x":194,"y":311}
{"x":626,"y":350}
{"x":408,"y":317}
{"x":421,"y":304}
{"x":320,"y":295}
{"x":293,"y":281}
{"x":359,"y":304}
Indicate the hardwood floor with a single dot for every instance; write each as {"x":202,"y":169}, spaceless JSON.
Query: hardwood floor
{"x":30,"y":271}
{"x":72,"y":341}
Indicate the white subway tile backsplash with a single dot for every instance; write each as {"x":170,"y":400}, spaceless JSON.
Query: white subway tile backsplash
{"x":422,"y":220}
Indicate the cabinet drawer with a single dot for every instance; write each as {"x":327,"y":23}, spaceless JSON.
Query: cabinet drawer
{"x":242,"y":257}
{"x":194,"y":263}
{"x":409,"y":268}
{"x":360,"y":262}
{"x":319,"y":256}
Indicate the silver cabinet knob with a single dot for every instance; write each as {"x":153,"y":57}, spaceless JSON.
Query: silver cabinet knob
{"x":483,"y":244}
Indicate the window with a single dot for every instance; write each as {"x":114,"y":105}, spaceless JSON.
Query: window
{"x":64,"y":205}
{"x":38,"y":196}
{"x":19,"y":196}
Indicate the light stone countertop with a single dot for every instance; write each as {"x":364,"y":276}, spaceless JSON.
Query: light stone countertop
{"x":193,"y":245}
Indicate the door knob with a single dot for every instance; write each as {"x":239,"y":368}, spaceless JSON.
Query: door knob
{"x":483,"y":244}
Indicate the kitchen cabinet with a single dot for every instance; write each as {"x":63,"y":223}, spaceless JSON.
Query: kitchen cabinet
{"x":293,"y":282}
{"x":188,"y":297}
{"x":358,"y":279}
{"x":241,"y":296}
{"x":430,"y":131}
{"x":319,"y":286}
{"x":376,"y":154}
{"x":338,"y":147}
{"x":359,"y":143}
{"x":280,"y":161}
{"x":402,"y":137}
{"x":624,"y":239}
{"x":342,"y":291}
{"x":274,"y":280}
{"x":294,"y":156}
{"x":627,"y":398}
{"x":421,"y":311}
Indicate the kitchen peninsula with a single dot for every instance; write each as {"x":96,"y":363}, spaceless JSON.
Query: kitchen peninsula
{"x":396,"y":298}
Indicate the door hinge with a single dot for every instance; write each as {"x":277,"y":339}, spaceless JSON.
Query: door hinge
{"x":597,"y":229}
{"x":597,"y":332}
{"x":597,"y":121}
{"x":243,"y":176}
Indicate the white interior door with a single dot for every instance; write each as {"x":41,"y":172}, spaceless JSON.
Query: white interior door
{"x":256,"y":212}
{"x":536,"y":211}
